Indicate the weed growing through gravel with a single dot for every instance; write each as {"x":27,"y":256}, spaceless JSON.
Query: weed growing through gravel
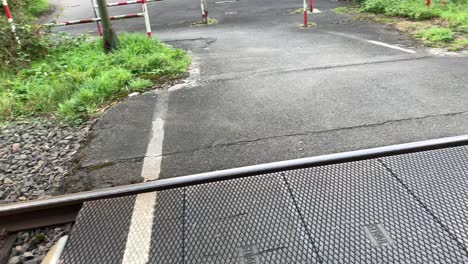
{"x":74,"y":82}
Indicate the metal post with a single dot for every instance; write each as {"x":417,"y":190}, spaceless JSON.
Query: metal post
{"x":306,"y":21}
{"x":311,"y":5}
{"x":96,"y":15}
{"x":146,"y":16}
{"x":110,"y":39}
{"x":204,"y":9}
{"x":10,"y":19}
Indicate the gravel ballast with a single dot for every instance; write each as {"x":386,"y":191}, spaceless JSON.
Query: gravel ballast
{"x":35,"y":156}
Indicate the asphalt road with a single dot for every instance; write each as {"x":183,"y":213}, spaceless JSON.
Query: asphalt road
{"x":268,"y":90}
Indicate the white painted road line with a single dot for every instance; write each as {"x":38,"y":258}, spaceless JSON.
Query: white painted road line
{"x":138,"y":244}
{"x":225,"y":2}
{"x":152,"y":162}
{"x":391,"y":46}
{"x":153,"y":158}
{"x":137,"y":248}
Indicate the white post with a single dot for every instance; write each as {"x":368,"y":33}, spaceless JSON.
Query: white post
{"x":204,"y":9}
{"x":10,"y":19}
{"x":146,"y":15}
{"x":96,"y":15}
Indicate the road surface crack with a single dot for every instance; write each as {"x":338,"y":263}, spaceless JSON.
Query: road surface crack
{"x":312,"y":132}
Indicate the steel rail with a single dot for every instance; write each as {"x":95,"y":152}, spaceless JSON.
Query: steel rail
{"x":77,"y":199}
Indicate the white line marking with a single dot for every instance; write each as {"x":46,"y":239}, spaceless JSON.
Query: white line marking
{"x":225,"y":2}
{"x":138,"y":244}
{"x":137,"y":248}
{"x":390,"y":46}
{"x":152,"y":162}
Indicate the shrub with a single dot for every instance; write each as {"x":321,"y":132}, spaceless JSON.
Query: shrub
{"x":35,"y":41}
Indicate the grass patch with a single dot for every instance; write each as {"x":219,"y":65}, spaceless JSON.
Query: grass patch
{"x":459,"y":44}
{"x":74,"y":82}
{"x":433,"y":36}
{"x":309,"y":25}
{"x":341,"y":10}
{"x":211,"y":21}
{"x":297,"y":11}
{"x":37,"y":7}
{"x":441,"y":25}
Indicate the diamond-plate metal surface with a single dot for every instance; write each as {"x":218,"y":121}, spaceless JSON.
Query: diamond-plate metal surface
{"x":342,"y":202}
{"x":251,"y":221}
{"x":439,"y":179}
{"x":100,"y":232}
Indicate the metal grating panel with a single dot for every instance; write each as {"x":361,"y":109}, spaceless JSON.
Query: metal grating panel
{"x":343,"y":203}
{"x":439,"y":179}
{"x":403,"y":209}
{"x":100,"y":232}
{"x":168,"y":228}
{"x":250,"y":220}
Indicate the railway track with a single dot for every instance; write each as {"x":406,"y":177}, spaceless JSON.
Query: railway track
{"x":400,"y":203}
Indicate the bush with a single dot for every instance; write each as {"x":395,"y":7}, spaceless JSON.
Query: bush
{"x":34,"y":45}
{"x":75,"y":80}
{"x":35,"y":41}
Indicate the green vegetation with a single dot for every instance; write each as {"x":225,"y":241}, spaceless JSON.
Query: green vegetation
{"x":443,"y":24}
{"x":434,"y":35}
{"x":34,"y":41}
{"x":459,"y":44}
{"x":341,"y":9}
{"x":455,"y":13}
{"x":211,"y":21}
{"x":75,"y":79}
{"x":37,"y":7}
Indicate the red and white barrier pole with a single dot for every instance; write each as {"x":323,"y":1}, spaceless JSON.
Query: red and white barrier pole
{"x":311,"y":6}
{"x":204,"y":9}
{"x":130,"y":2}
{"x":10,"y":19}
{"x":96,"y":14}
{"x":91,"y":20}
{"x":146,"y":16}
{"x":306,"y":21}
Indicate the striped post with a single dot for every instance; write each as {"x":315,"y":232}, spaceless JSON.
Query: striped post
{"x":10,"y":19}
{"x":130,"y":2}
{"x":96,"y":15}
{"x":146,"y":16}
{"x":311,"y":6}
{"x":306,"y":21}
{"x":92,"y":20}
{"x":204,"y":9}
